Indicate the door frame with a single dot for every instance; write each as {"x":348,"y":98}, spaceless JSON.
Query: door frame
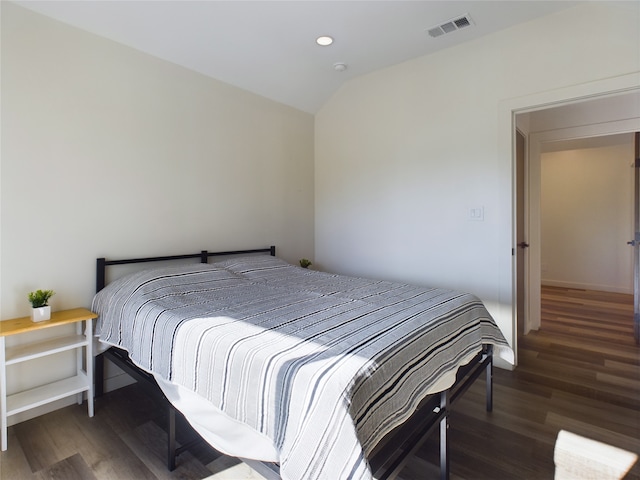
{"x":506,"y":310}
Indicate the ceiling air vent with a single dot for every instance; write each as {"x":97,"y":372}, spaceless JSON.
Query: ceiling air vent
{"x":450,"y":26}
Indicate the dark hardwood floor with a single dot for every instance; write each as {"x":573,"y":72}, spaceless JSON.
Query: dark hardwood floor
{"x":580,"y":372}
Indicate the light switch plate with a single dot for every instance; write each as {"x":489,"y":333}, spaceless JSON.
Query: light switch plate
{"x":476,"y":214}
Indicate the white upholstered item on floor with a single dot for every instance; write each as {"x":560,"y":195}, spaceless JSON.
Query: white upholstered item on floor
{"x":577,"y":457}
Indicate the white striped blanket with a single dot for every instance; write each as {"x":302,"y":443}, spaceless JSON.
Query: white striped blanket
{"x":323,"y":365}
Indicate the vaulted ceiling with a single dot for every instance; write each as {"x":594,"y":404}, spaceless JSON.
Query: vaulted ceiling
{"x":269,"y":47}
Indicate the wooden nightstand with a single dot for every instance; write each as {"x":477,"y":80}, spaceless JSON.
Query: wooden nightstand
{"x":35,"y":397}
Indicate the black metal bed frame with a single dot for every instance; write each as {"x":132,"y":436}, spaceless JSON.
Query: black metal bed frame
{"x":388,"y":458}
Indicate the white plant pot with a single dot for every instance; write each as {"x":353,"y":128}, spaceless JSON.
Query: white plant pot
{"x":40,"y":314}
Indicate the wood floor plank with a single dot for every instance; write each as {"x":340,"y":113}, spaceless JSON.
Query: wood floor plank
{"x":589,"y":430}
{"x":104,"y":450}
{"x":72,"y":468}
{"x":122,"y":410}
{"x":622,"y":368}
{"x":421,"y":468}
{"x":588,"y":411}
{"x":227,"y":468}
{"x":149,"y":443}
{"x":13,"y":462}
{"x":631,"y":384}
{"x":566,"y":344}
{"x":39,"y":440}
{"x":519,"y":423}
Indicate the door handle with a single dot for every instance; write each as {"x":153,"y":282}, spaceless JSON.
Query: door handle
{"x":632,"y":243}
{"x":523,"y":245}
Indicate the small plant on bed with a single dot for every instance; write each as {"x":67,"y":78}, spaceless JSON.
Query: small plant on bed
{"x":40,"y":309}
{"x":304,"y":263}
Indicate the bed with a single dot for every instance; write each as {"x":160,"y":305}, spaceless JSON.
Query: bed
{"x":301,"y":374}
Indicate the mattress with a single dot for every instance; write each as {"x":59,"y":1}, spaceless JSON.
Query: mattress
{"x":319,"y":367}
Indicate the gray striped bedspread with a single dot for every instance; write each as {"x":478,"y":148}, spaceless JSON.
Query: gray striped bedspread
{"x":323,"y":365}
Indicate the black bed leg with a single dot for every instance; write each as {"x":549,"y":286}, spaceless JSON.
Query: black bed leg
{"x":98,"y":376}
{"x":444,"y":436}
{"x":171,"y":452}
{"x":490,"y":384}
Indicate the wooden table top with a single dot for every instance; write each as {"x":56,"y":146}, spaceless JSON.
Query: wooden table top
{"x":25,"y":324}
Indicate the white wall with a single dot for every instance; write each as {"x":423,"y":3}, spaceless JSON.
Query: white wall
{"x":110,"y":152}
{"x":403,"y":154}
{"x":587,"y":216}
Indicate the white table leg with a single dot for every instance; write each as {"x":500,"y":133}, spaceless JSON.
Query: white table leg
{"x":79,"y":368}
{"x":3,"y":394}
{"x":89,"y":363}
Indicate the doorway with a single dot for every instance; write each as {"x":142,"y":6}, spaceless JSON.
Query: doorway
{"x":606,"y":116}
{"x":586,"y":216}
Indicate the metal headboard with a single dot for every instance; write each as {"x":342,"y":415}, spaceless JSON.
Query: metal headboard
{"x":102,"y":263}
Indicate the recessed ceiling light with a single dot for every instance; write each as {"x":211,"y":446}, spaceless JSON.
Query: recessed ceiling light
{"x":324,"y":41}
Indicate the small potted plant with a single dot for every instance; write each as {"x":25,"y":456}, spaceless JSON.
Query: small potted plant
{"x":40,"y":309}
{"x":304,"y":263}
